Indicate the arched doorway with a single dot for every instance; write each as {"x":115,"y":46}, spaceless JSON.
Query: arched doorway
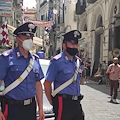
{"x":98,"y":58}
{"x":85,"y":27}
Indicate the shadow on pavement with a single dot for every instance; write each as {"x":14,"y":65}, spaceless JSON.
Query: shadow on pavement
{"x":102,"y":87}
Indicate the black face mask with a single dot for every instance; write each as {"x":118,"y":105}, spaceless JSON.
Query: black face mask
{"x":72,"y":51}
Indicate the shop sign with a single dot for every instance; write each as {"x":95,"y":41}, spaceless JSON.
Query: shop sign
{"x":5,"y":8}
{"x":40,"y":23}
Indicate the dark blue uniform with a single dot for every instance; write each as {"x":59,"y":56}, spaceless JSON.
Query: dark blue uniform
{"x":66,"y":103}
{"x":19,"y":103}
{"x":60,"y":70}
{"x":12,"y":65}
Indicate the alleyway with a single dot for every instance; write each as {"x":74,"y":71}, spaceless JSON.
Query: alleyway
{"x":96,"y":103}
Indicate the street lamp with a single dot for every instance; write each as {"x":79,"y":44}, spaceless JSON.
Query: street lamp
{"x":55,"y":11}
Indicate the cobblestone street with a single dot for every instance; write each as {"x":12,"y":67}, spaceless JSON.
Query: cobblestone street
{"x":96,"y":103}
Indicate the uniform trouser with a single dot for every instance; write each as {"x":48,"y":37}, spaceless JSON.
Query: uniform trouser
{"x":20,"y":112}
{"x":113,"y":88}
{"x":67,"y":109}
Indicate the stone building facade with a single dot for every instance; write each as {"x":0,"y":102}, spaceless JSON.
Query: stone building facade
{"x":101,"y":20}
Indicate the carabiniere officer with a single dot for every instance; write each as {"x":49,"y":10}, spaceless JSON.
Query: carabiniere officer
{"x":21,"y":67}
{"x":66,"y":103}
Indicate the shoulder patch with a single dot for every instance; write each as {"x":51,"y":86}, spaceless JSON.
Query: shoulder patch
{"x":58,"y":56}
{"x":36,"y":55}
{"x":7,"y":53}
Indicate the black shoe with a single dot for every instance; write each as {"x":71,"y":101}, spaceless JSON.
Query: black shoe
{"x":100,"y":82}
{"x":111,"y":101}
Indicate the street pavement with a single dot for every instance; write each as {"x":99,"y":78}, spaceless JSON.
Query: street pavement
{"x":96,"y":105}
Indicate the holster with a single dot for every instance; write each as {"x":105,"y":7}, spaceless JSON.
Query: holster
{"x":2,"y":100}
{"x":81,"y":97}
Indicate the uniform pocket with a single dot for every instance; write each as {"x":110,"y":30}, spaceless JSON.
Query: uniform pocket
{"x":17,"y":68}
{"x":67,"y":71}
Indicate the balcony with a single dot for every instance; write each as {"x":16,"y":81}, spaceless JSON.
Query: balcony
{"x":43,"y":3}
{"x":80,"y":8}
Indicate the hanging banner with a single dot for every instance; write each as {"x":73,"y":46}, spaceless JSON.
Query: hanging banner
{"x":4,"y":34}
{"x":40,"y":23}
{"x":5,"y":8}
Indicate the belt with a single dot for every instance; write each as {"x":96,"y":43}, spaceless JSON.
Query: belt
{"x":72,"y":97}
{"x":20,"y":102}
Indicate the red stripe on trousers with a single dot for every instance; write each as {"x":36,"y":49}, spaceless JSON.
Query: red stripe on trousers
{"x":60,"y":108}
{"x":6,"y":112}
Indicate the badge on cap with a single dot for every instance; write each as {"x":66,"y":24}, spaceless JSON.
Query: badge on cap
{"x":31,"y":26}
{"x":76,"y":33}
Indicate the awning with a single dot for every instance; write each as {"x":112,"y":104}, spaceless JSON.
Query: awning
{"x":11,"y":28}
{"x":36,"y":40}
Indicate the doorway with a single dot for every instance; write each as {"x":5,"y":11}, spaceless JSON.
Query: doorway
{"x":117,"y":37}
{"x":98,"y":51}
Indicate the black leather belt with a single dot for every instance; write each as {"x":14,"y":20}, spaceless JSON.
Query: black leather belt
{"x":72,"y":97}
{"x":21,"y":102}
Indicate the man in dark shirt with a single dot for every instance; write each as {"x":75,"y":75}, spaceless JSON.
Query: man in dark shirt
{"x":87,"y":68}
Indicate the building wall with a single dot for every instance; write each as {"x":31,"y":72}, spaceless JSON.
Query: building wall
{"x":69,"y":23}
{"x":41,"y":30}
{"x":90,"y":17}
{"x":69,"y":16}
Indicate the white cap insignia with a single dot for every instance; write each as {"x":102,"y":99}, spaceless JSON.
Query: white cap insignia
{"x":76,"y":33}
{"x":31,"y":26}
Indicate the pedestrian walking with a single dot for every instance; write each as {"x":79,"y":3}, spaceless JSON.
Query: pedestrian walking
{"x":114,"y":72}
{"x":21,"y":72}
{"x":64,"y":72}
{"x":87,"y":68}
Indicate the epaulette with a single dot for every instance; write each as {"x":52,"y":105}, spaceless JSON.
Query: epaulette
{"x":58,"y":56}
{"x":78,"y":58}
{"x":7,"y":53}
{"x":36,"y":55}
